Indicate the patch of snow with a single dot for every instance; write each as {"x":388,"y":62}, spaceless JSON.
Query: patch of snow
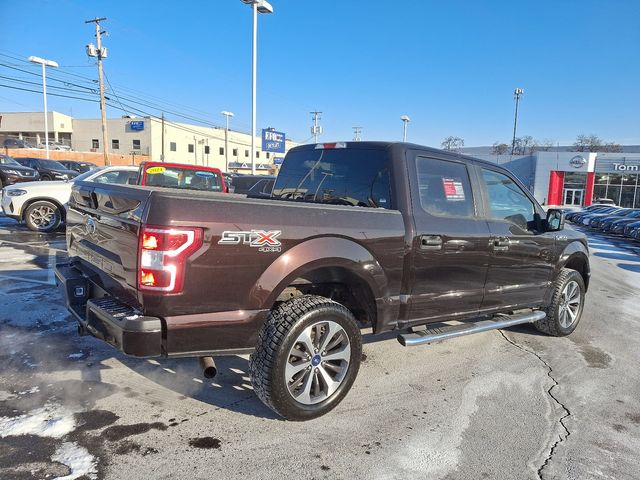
{"x":31,"y":391}
{"x":78,"y":459}
{"x":6,"y":395}
{"x":48,"y":421}
{"x":133,"y":317}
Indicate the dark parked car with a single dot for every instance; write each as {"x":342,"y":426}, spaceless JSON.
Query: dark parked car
{"x":16,"y":143}
{"x":597,"y":221}
{"x":385,"y":235}
{"x":78,"y":166}
{"x":262,"y":188}
{"x":48,"y":169}
{"x":244,"y":183}
{"x":616,"y":224}
{"x":12,"y":172}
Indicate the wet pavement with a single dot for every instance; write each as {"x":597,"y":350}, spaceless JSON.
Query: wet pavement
{"x":502,"y":404}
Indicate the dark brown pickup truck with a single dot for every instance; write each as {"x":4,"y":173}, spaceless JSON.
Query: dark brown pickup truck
{"x":387,"y":235}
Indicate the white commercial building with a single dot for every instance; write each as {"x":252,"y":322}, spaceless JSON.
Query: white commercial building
{"x":150,"y":136}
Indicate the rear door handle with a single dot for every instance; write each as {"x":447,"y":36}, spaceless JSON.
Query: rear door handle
{"x":457,"y":245}
{"x":501,"y":244}
{"x":431,"y":242}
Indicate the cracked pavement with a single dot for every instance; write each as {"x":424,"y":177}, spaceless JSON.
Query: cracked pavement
{"x":511,"y":404}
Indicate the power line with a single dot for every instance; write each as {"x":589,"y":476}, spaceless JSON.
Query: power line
{"x":54,"y":94}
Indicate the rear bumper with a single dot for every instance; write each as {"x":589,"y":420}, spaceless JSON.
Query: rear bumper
{"x":107,"y":319}
{"x":133,"y":333}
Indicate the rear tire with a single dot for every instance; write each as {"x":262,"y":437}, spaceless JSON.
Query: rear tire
{"x":43,"y":217}
{"x":307,"y":357}
{"x":567,"y":304}
{"x":45,"y":178}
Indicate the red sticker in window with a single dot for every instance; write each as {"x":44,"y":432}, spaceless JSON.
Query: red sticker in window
{"x":453,"y":189}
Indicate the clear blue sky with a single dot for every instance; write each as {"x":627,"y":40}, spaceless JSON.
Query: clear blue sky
{"x":451,"y":66}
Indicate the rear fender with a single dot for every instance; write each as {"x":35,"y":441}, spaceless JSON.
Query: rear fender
{"x":311,"y":255}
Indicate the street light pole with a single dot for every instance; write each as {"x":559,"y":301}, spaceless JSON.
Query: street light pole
{"x":405,"y":120}
{"x":226,"y":139}
{"x":258,"y":6}
{"x":517,"y":93}
{"x":44,"y":64}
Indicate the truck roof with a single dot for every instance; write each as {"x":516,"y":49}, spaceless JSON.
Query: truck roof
{"x":383,"y":145}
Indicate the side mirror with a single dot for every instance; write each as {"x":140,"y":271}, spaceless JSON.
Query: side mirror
{"x":555,"y":220}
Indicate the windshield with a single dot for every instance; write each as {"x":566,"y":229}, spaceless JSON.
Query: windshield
{"x":51,"y":164}
{"x":85,"y":175}
{"x":185,"y":178}
{"x":6,"y":160}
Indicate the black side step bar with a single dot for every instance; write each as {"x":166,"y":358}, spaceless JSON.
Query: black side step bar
{"x":421,"y":337}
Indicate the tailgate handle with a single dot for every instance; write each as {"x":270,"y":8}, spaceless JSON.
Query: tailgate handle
{"x":431,"y":242}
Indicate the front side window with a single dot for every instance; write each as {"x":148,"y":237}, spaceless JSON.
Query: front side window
{"x":343,"y":176}
{"x":507,"y":201}
{"x":445,"y":188}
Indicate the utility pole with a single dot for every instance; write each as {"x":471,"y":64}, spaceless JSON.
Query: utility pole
{"x":100,"y":53}
{"x":227,"y":115}
{"x":356,"y":133}
{"x":316,"y":129}
{"x":162,"y":153}
{"x":517,"y":93}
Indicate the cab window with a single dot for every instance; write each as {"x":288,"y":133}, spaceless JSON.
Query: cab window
{"x":507,"y":201}
{"x":445,"y":188}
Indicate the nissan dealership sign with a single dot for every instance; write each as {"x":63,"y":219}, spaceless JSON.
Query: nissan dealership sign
{"x":623,"y":167}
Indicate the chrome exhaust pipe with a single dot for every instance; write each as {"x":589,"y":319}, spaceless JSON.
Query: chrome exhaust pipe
{"x":208,"y":365}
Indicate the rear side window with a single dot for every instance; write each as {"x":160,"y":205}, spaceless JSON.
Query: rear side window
{"x":445,"y":188}
{"x":341,"y":176}
{"x":186,"y":178}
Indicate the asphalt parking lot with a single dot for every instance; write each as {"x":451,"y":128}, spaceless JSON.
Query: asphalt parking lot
{"x":504,"y":404}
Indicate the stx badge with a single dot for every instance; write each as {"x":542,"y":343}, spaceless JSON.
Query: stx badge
{"x":263,"y":241}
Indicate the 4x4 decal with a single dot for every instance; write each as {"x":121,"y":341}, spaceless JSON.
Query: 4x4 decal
{"x":264,"y":241}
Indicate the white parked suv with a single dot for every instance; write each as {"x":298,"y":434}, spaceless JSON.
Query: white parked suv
{"x":41,"y":205}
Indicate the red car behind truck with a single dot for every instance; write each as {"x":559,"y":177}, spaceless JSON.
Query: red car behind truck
{"x":389,"y":235}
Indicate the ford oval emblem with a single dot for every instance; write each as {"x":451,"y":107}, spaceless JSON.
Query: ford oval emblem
{"x":90,"y":226}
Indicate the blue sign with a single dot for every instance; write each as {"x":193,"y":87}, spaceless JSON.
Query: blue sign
{"x":278,"y":160}
{"x":136,"y":125}
{"x":272,"y":141}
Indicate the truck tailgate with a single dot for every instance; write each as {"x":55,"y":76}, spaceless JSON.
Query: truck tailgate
{"x":103,"y":222}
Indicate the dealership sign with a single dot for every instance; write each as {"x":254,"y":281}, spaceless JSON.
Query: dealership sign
{"x":136,"y":125}
{"x":272,"y":141}
{"x":578,"y":161}
{"x":622,"y":167}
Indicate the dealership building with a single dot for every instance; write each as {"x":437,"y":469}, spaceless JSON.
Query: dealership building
{"x":561,"y":178}
{"x":150,"y":137}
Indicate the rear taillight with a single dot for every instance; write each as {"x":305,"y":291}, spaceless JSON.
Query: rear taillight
{"x":162,"y":257}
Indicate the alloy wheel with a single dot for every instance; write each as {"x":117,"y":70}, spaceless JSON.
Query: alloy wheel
{"x":317,"y":362}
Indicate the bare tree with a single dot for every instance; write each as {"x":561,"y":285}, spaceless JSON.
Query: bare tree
{"x":452,"y":143}
{"x":593,"y":143}
{"x":499,"y":148}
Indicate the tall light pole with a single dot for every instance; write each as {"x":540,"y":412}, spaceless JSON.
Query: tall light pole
{"x":258,"y":6}
{"x":405,"y":120}
{"x":45,"y":64}
{"x":226,"y":139}
{"x":517,"y":93}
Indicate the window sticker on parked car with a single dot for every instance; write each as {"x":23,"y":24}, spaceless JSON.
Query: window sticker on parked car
{"x":155,"y":170}
{"x":453,"y":189}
